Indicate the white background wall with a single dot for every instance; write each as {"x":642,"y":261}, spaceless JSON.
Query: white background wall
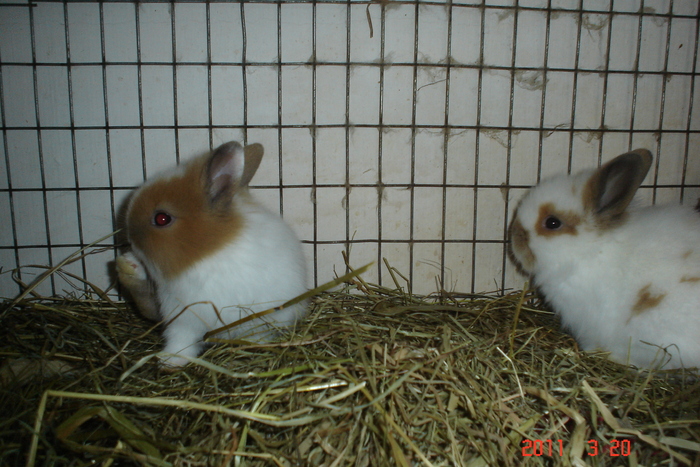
{"x":391,"y":129}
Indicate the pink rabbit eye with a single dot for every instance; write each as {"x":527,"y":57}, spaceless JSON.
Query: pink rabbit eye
{"x":552,"y":223}
{"x":162,"y":219}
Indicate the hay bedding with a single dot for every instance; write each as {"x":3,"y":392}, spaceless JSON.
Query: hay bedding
{"x":373,"y":377}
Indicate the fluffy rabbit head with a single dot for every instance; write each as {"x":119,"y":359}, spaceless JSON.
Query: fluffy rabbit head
{"x":187,"y":214}
{"x":581,"y":206}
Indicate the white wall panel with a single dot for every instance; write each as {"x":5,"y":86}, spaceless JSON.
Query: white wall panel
{"x":397,"y":130}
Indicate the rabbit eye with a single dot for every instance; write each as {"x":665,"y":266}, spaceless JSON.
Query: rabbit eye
{"x":162,"y":219}
{"x":552,"y":223}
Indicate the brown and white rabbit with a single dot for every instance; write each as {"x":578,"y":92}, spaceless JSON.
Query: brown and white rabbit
{"x":622,"y":280}
{"x":204,"y":254}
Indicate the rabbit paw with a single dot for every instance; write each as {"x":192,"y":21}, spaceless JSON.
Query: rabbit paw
{"x":130,"y":271}
{"x":133,"y":276}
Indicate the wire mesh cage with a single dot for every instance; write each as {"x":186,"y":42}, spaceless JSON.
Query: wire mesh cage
{"x":393,"y":130}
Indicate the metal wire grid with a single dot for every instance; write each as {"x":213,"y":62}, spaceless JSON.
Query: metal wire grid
{"x":376,"y":17}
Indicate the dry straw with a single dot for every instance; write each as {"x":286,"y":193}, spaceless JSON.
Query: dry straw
{"x":373,"y":377}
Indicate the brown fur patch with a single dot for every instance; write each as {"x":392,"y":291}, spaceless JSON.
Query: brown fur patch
{"x":519,"y":250}
{"x":570,"y":221}
{"x":646,"y":301}
{"x":687,"y":254}
{"x":195,"y":233}
{"x":690,"y":279}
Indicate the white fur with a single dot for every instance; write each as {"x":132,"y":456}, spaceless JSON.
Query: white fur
{"x":262,"y":268}
{"x":593,"y":279}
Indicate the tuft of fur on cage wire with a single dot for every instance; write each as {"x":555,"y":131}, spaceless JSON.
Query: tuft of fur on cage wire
{"x":374,"y":376}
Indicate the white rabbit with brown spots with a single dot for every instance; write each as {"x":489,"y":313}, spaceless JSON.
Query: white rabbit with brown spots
{"x":204,"y":254}
{"x":626,"y":281}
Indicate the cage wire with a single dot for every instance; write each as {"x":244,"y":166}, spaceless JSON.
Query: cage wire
{"x":393,"y":129}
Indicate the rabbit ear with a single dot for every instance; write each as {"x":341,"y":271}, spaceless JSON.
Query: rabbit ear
{"x":223,"y":174}
{"x":253,"y":156}
{"x":230,"y":167}
{"x":611,"y":188}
